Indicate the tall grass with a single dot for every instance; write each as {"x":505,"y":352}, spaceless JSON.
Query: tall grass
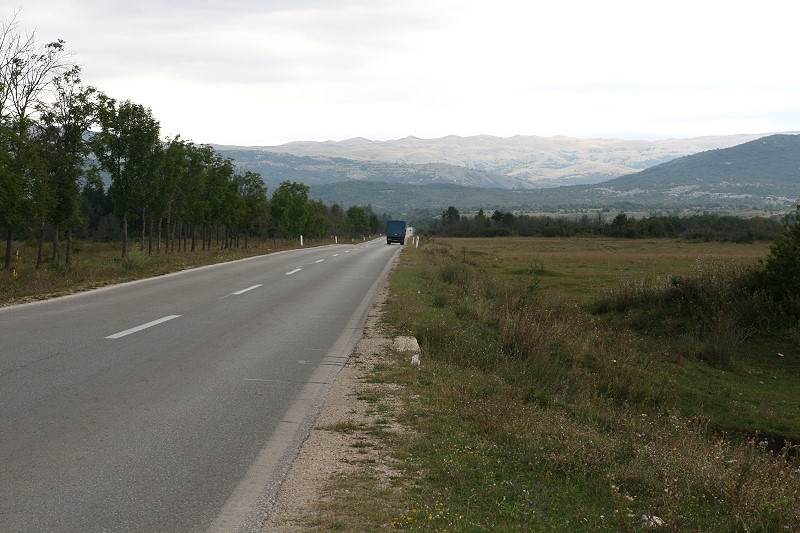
{"x":541,"y":411}
{"x":716,"y":306}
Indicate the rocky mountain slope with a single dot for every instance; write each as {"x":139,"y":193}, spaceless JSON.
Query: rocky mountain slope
{"x":765,"y":170}
{"x":519,"y":162}
{"x":763,"y":174}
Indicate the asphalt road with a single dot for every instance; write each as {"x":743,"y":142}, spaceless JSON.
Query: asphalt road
{"x":174,"y":404}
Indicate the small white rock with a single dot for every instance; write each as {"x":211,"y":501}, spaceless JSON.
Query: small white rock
{"x":651,"y":521}
{"x":406,"y":344}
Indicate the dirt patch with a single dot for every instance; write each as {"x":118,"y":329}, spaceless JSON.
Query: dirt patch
{"x":340,"y":443}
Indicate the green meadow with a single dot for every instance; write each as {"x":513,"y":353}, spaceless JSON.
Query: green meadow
{"x":586,"y":384}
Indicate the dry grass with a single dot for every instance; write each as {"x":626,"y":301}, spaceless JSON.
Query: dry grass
{"x":584,"y":266}
{"x":99,"y":264}
{"x":533,"y":413}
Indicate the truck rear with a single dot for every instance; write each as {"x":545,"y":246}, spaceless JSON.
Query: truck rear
{"x":396,"y":231}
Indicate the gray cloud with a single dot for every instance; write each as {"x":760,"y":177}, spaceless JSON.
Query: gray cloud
{"x":334,"y":69}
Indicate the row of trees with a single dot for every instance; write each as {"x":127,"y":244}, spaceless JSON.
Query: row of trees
{"x":699,"y":227}
{"x":61,"y":141}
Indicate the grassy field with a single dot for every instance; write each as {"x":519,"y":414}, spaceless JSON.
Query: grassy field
{"x":544,"y":404}
{"x":583,"y":267}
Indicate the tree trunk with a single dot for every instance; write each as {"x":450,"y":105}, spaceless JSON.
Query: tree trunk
{"x":9,"y":243}
{"x":56,"y":244}
{"x":158,"y":242}
{"x":175,"y":236}
{"x":168,"y":240}
{"x":150,"y":237}
{"x":124,"y":235}
{"x":144,"y":228}
{"x":40,"y":247}
{"x":68,"y":253}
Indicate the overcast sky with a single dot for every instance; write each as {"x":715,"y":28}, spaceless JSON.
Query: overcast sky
{"x":266,"y":72}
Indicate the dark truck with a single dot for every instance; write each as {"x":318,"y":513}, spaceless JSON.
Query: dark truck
{"x":396,"y":231}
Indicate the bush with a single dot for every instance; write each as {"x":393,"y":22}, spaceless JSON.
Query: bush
{"x":781,"y":275}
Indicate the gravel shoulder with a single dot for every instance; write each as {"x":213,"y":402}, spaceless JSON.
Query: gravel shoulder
{"x":328,"y":452}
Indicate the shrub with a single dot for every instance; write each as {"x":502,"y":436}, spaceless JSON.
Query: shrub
{"x":721,"y":340}
{"x":781,"y":274}
{"x":135,"y":260}
{"x":455,"y":274}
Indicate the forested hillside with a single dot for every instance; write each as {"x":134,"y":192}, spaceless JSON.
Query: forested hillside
{"x":766,"y":169}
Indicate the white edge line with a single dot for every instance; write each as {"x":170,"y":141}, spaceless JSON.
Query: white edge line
{"x":237,"y":293}
{"x":140,"y":328}
{"x":245,"y":508}
{"x":82,"y":294}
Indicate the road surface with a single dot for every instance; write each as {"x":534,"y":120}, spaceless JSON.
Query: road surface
{"x":176,"y":403}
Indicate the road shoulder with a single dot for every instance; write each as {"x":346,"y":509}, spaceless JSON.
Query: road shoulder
{"x":330,"y":451}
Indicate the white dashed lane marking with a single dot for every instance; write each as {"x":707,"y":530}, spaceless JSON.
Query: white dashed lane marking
{"x":237,"y":293}
{"x":143,"y":326}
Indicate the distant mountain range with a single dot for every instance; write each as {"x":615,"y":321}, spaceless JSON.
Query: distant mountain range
{"x":766,"y":170}
{"x":521,"y":162}
{"x":530,"y":173}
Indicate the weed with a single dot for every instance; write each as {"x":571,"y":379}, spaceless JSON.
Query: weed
{"x":455,"y":273}
{"x":534,"y":414}
{"x":134,"y":261}
{"x":344,"y":427}
{"x":721,"y":340}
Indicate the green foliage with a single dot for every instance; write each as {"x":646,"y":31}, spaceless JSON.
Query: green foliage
{"x":450,"y":216}
{"x":358,"y":221}
{"x":253,"y":195}
{"x":697,"y":227}
{"x":126,"y":147}
{"x":782,"y":267}
{"x":51,"y":156}
{"x":290,"y":208}
{"x":27,"y":70}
